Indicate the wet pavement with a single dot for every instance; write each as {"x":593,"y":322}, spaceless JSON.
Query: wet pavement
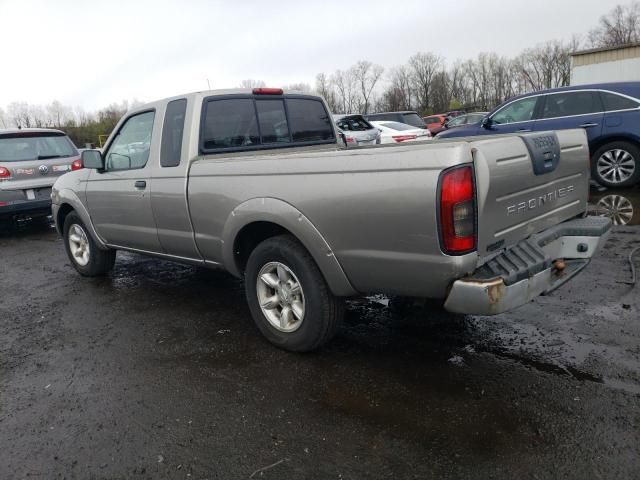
{"x":158,"y":372}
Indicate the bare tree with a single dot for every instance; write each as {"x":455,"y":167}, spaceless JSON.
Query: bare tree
{"x":3,"y":119}
{"x":325,"y":89}
{"x":424,"y":67}
{"x":19,"y":114}
{"x":345,"y":85}
{"x":620,"y":26}
{"x":299,"y":87}
{"x":547,"y":65}
{"x":401,"y":87}
{"x":367,"y":76}
{"x":251,"y":83}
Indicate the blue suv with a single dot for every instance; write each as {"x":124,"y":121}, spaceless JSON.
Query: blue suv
{"x":609,"y":112}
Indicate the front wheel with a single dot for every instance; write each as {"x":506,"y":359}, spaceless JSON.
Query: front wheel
{"x":83,"y":252}
{"x":289,"y":298}
{"x":616,"y":164}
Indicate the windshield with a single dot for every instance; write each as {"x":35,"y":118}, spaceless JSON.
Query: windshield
{"x":398,"y":126}
{"x":354,"y":124}
{"x":413,"y":119}
{"x":28,"y":146}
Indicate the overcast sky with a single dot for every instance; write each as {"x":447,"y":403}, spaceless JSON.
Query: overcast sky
{"x":91,"y":53}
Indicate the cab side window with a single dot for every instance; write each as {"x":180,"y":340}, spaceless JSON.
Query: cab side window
{"x":570,"y":104}
{"x":172,"y":130}
{"x":518,"y":111}
{"x":130,"y":149}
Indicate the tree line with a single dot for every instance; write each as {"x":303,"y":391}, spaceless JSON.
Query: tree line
{"x":426,"y":83}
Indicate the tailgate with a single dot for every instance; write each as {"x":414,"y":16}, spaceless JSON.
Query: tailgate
{"x":528,"y":183}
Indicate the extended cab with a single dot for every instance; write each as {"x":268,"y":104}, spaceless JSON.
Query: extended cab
{"x":253,"y":181}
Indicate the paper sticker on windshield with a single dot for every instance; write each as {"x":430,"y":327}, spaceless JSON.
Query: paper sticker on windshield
{"x":25,"y":171}
{"x":61,"y":168}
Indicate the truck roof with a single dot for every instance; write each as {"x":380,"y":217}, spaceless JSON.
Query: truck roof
{"x":223,"y":91}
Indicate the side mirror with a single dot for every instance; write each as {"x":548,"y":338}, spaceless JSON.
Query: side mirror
{"x":93,"y":159}
{"x":486,"y":122}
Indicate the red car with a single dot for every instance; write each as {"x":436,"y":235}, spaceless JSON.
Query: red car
{"x":435,"y":123}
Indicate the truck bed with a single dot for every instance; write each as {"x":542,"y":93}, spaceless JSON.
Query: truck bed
{"x":377,"y":207}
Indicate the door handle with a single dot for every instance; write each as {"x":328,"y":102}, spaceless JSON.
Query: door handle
{"x":588,"y":125}
{"x":524,"y":130}
{"x":141,"y":184}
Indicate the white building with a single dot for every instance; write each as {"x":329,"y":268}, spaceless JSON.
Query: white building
{"x":609,"y":64}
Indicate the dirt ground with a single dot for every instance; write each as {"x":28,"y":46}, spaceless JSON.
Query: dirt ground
{"x":158,"y":372}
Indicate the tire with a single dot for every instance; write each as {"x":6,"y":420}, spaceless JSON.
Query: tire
{"x":97,"y":262}
{"x":616,"y":164}
{"x":322,"y":312}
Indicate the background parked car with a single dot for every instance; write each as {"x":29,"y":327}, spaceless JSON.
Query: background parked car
{"x":357,"y":130}
{"x":465,"y":119}
{"x":435,"y":123}
{"x":30,"y":162}
{"x":396,"y":132}
{"x":610,"y":114}
{"x":409,"y":117}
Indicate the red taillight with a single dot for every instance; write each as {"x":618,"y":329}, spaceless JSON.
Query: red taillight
{"x":4,"y":172}
{"x":76,"y":164}
{"x":458,"y":211}
{"x":267,"y":91}
{"x":402,"y":138}
{"x":350,"y":139}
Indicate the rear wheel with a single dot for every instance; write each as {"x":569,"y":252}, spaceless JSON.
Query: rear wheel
{"x":616,"y":164}
{"x":289,"y":298}
{"x":85,"y":256}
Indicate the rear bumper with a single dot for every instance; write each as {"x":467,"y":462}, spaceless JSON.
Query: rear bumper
{"x":25,"y":207}
{"x":531,"y":268}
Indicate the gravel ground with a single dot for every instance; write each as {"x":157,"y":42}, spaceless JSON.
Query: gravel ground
{"x":158,"y":372}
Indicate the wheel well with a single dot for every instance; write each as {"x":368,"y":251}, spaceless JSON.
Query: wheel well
{"x":617,"y":138}
{"x":64,"y":210}
{"x":250,"y":236}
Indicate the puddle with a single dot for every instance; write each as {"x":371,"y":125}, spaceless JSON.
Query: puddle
{"x":622,"y":206}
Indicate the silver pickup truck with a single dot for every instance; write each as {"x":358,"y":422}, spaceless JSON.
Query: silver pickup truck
{"x":255,"y":182}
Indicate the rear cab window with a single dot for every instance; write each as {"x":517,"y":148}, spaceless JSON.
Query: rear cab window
{"x":18,"y":146}
{"x":254,"y":122}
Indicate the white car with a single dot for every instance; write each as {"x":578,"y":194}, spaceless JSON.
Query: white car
{"x":396,"y":132}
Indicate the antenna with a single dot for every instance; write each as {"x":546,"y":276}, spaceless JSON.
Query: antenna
{"x":208,"y":84}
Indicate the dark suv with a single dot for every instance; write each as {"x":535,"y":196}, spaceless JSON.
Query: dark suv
{"x":408,"y":117}
{"x":30,"y":162}
{"x":609,"y":112}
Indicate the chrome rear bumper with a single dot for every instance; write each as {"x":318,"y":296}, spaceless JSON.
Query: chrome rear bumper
{"x":531,"y":268}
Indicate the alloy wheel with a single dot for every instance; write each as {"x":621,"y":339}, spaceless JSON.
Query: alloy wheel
{"x":616,"y":165}
{"x":79,"y":245}
{"x":280,"y":297}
